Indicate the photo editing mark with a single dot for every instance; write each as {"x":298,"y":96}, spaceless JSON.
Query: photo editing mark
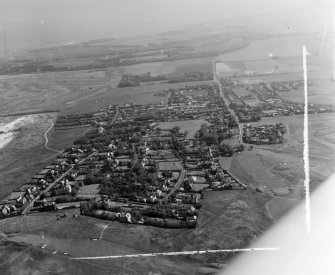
{"x":306,"y":146}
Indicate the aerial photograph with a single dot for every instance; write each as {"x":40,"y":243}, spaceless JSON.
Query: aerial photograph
{"x":167,"y":137}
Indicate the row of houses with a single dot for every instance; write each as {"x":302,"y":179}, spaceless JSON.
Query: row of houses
{"x":264,"y":134}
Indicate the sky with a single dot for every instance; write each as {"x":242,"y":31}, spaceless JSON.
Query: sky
{"x":40,"y":23}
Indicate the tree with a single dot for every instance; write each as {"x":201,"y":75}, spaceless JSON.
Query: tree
{"x":226,"y":149}
{"x":203,"y":129}
{"x":175,"y":129}
{"x":239,"y":148}
{"x":136,"y":137}
{"x":209,"y":139}
{"x":176,"y":144}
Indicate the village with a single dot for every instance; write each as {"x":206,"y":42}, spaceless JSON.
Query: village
{"x":128,"y":169}
{"x":264,"y":134}
{"x":131,"y":170}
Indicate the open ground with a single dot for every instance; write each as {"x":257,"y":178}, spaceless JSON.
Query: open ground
{"x":231,"y":219}
{"x":279,"y":169}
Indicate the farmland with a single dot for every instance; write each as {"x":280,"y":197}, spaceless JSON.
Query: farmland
{"x":171,"y":67}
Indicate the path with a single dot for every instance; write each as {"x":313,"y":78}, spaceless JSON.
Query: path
{"x":103,"y":230}
{"x":47,"y":140}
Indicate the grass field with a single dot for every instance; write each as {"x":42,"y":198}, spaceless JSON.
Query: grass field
{"x":92,"y":189}
{"x":279,"y":169}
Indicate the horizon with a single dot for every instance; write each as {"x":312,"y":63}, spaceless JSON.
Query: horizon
{"x":38,"y":24}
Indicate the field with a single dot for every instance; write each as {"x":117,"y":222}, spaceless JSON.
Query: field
{"x":91,"y":190}
{"x":50,"y":91}
{"x":320,"y":92}
{"x":191,"y":126}
{"x":25,"y":154}
{"x":172,"y":67}
{"x":228,"y":219}
{"x":278,"y":169}
{"x":143,"y":94}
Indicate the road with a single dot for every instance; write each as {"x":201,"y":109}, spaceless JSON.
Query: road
{"x":30,"y":205}
{"x":177,"y":185}
{"x":215,"y":77}
{"x":116,"y":113}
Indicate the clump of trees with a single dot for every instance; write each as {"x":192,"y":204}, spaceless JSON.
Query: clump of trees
{"x":203,"y":135}
{"x":94,"y":179}
{"x":130,"y":185}
{"x":239,"y":148}
{"x":226,"y":149}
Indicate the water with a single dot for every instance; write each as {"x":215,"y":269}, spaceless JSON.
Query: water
{"x":280,"y":46}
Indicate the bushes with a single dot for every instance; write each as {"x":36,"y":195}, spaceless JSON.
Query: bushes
{"x":91,"y":179}
{"x":239,"y":148}
{"x":136,"y":218}
{"x":226,"y":149}
{"x":169,"y":223}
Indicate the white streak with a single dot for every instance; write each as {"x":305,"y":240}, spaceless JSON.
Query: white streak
{"x":178,"y":253}
{"x":306,"y":146}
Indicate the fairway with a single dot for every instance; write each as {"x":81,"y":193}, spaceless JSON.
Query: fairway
{"x":320,"y":92}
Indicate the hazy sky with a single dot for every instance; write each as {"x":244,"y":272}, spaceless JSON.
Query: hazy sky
{"x":33,"y":23}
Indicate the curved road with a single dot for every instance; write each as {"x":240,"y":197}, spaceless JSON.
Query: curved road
{"x":177,"y":185}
